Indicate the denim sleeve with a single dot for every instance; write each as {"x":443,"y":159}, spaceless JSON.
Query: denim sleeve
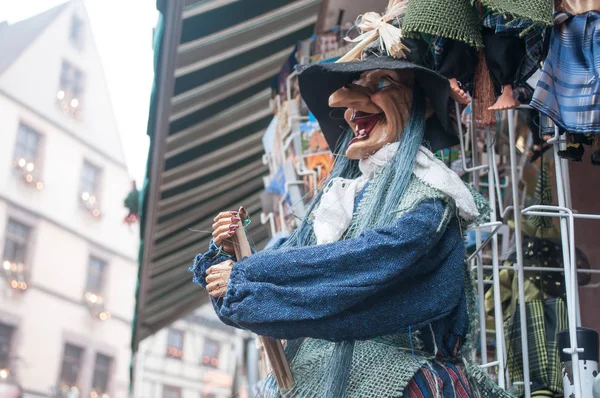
{"x":377,"y":282}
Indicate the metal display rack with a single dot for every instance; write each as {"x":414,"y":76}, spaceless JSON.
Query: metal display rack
{"x":566,"y":215}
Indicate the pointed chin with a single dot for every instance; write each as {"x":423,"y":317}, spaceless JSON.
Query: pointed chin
{"x":362,"y":147}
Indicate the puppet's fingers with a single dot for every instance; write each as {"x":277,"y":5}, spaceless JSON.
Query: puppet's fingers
{"x":218,"y":293}
{"x":226,"y":214}
{"x":225,"y":228}
{"x":226,"y":221}
{"x":217,"y":276}
{"x":225,"y":266}
{"x":211,"y":287}
{"x":223,"y":236}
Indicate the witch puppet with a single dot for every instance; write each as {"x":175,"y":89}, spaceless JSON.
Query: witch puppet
{"x":508,"y":32}
{"x":371,"y":292}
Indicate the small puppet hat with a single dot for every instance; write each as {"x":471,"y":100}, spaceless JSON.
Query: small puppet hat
{"x":380,"y":46}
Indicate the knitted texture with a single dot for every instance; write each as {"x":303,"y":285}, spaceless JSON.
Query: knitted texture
{"x":452,"y":19}
{"x":538,"y":11}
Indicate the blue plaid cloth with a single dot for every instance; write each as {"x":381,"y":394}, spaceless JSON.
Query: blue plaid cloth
{"x":569,"y":89}
{"x":532,"y":34}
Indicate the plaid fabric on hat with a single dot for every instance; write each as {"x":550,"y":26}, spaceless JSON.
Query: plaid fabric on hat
{"x":538,"y":11}
{"x":545,"y":318}
{"x":533,"y":35}
{"x":569,"y":88}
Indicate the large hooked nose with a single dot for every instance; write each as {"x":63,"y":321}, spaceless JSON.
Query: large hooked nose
{"x":353,"y":96}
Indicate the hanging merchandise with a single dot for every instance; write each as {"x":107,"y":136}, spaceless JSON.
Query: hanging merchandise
{"x":567,"y":90}
{"x":508,"y":32}
{"x":131,"y":202}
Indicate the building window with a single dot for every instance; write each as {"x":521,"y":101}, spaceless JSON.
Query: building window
{"x":71,"y":366}
{"x":76,"y":32}
{"x":27,"y":143}
{"x":6,"y":333}
{"x":95,"y":276}
{"x":70,"y":90}
{"x":171,"y":392}
{"x":175,"y":344}
{"x":26,"y":155}
{"x":101,"y":374}
{"x":15,"y":253}
{"x":89,"y":187}
{"x":210,"y":355}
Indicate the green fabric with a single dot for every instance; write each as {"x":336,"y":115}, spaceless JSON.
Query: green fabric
{"x":545,"y":318}
{"x":539,"y":11}
{"x":453,"y":19}
{"x":542,"y":196}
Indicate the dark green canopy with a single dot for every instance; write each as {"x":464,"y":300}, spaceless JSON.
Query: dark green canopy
{"x":214,"y":63}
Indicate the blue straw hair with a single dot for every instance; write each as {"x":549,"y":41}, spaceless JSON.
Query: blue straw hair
{"x":382,"y":201}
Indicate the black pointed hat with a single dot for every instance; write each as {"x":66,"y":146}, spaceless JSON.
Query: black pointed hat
{"x":319,"y":80}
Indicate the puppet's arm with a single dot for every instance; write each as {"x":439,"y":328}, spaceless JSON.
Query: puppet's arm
{"x":383,"y":281}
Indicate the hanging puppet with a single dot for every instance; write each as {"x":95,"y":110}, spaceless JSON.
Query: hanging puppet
{"x":568,"y":88}
{"x":371,"y":291}
{"x":509,"y":32}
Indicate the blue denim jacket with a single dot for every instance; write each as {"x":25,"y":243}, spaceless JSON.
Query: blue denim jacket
{"x":407,"y":276}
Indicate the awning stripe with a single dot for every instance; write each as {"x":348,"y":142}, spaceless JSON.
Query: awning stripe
{"x":217,"y":61}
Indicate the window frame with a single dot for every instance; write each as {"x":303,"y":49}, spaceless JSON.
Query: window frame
{"x":71,"y":87}
{"x":174,"y":389}
{"x":109,"y":371}
{"x":78,"y":376}
{"x":17,"y":155}
{"x":210,"y":361}
{"x":10,"y":344}
{"x":97,"y":177}
{"x":171,"y":351}
{"x":25,"y":240}
{"x":101,"y":279}
{"x":90,"y":200}
{"x":77,"y":40}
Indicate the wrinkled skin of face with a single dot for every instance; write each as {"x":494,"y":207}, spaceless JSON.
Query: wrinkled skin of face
{"x":378,"y":106}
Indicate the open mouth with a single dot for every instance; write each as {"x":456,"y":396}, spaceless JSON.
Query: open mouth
{"x":365,"y":123}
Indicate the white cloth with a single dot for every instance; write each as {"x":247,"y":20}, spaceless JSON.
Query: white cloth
{"x":334,"y":212}
{"x":436,"y":174}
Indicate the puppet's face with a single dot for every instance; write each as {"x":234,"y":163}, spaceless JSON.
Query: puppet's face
{"x":378,"y":105}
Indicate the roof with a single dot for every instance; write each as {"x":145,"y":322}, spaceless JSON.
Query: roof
{"x":23,"y":33}
{"x":215,"y":61}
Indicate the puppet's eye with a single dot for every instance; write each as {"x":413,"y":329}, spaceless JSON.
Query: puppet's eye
{"x":383,"y":82}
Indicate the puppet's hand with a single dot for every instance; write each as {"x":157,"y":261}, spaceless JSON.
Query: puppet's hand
{"x":217,"y":278}
{"x":225,"y":226}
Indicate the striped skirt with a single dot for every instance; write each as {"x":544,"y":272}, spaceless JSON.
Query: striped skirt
{"x":440,"y":380}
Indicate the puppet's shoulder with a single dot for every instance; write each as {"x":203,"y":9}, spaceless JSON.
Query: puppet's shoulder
{"x":419,"y":191}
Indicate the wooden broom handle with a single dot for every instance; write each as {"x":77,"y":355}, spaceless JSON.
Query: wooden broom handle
{"x":273,"y":347}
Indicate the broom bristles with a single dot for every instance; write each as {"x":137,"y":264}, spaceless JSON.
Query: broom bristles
{"x":483,"y":94}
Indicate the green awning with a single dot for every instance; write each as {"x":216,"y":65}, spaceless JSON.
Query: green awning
{"x":215,"y":61}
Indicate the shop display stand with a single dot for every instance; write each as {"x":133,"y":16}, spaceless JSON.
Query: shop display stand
{"x":563,"y":211}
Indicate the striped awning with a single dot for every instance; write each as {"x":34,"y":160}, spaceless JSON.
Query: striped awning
{"x":215,"y":61}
